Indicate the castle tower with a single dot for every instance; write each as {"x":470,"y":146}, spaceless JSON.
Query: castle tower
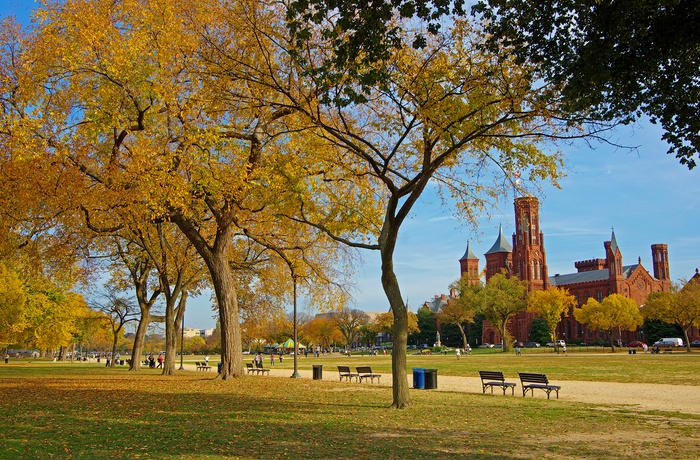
{"x":469,"y":265}
{"x":613,"y":257}
{"x":659,"y":257}
{"x":529,"y":256}
{"x":499,"y":257}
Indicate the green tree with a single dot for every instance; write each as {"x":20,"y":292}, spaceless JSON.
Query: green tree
{"x":460,"y":311}
{"x":550,"y":305}
{"x":625,"y":58}
{"x":540,"y":331}
{"x":679,"y":306}
{"x":427,"y":327}
{"x":500,"y":300}
{"x":615,"y":312}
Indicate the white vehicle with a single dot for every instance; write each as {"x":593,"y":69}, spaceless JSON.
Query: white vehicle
{"x":559,"y":343}
{"x":670,"y":342}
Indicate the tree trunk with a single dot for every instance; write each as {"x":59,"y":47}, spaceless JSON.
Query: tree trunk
{"x":685,"y":338}
{"x":392,"y":290}
{"x":114,"y":351}
{"x":464,"y":335}
{"x":231,"y":346}
{"x":173,"y":319}
{"x":139,"y":339}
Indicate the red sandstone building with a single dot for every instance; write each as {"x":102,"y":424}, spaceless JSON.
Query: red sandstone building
{"x":526,"y":258}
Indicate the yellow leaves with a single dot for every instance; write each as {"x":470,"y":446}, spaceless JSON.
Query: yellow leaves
{"x":615,"y":311}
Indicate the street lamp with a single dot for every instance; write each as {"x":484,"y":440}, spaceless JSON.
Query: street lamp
{"x":296,"y":374}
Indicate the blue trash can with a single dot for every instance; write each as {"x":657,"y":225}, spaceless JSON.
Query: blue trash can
{"x":218,"y":367}
{"x":418,"y":378}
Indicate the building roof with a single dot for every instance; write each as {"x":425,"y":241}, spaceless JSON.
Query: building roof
{"x":501,"y":244}
{"x":589,"y":276}
{"x":468,"y":254}
{"x":613,"y":242}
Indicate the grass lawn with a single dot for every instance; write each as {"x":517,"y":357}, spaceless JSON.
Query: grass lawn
{"x":87,"y":411}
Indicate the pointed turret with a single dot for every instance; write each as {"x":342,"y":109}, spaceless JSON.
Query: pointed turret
{"x":501,"y":244}
{"x":500,"y":256}
{"x":469,"y":265}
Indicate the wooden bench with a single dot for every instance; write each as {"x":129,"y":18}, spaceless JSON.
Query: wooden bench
{"x":345,"y":372}
{"x":250,"y":368}
{"x":365,"y":372}
{"x":202,"y":366}
{"x":495,"y":379}
{"x":260,"y":369}
{"x":531,"y":382}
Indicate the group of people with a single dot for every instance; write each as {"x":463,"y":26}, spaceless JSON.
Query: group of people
{"x":258,"y":359}
{"x":152,"y":361}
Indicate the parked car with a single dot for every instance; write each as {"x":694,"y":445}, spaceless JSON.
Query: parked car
{"x":636,"y":344}
{"x":669,"y":342}
{"x":695,"y":343}
{"x":498,"y":345}
{"x":519,"y":344}
{"x":532,"y":345}
{"x":486,"y":345}
{"x":559,"y":343}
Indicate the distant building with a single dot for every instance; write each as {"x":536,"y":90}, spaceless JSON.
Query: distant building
{"x":598,"y":278}
{"x":203,"y":333}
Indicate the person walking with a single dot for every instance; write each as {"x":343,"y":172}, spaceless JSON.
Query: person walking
{"x":160,"y":361}
{"x":272,"y":359}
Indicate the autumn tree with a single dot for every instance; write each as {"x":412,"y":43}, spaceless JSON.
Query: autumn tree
{"x":350,"y":321}
{"x":500,"y":299}
{"x":324,"y":331}
{"x":448,"y":116}
{"x":13,"y":314}
{"x":158,"y":109}
{"x":53,"y":315}
{"x":461,"y":310}
{"x":615,"y":312}
{"x":550,"y":305}
{"x":679,"y":306}
{"x":384,"y":322}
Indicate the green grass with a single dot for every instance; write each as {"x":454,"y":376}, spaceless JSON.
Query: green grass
{"x":86,"y":411}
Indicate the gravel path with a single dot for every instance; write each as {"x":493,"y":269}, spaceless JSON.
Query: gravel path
{"x":633,"y":396}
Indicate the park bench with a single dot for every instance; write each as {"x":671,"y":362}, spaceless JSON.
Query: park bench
{"x":495,"y":379}
{"x":261,"y":370}
{"x":365,"y":372}
{"x":202,"y":366}
{"x":250,"y":368}
{"x":531,"y":382}
{"x":345,"y":372}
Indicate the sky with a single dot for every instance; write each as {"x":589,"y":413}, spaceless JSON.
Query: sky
{"x":645,"y":195}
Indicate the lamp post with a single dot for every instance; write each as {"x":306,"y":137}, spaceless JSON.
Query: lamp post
{"x":296,"y":374}
{"x":182,"y":340}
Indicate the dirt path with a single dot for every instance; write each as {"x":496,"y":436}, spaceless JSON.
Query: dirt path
{"x":633,"y":396}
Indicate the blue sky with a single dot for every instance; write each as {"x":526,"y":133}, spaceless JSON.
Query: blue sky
{"x":646,"y":195}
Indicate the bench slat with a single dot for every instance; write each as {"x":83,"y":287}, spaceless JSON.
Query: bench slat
{"x":365,"y":372}
{"x":531,"y":381}
{"x":495,"y":379}
{"x":345,"y":372}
